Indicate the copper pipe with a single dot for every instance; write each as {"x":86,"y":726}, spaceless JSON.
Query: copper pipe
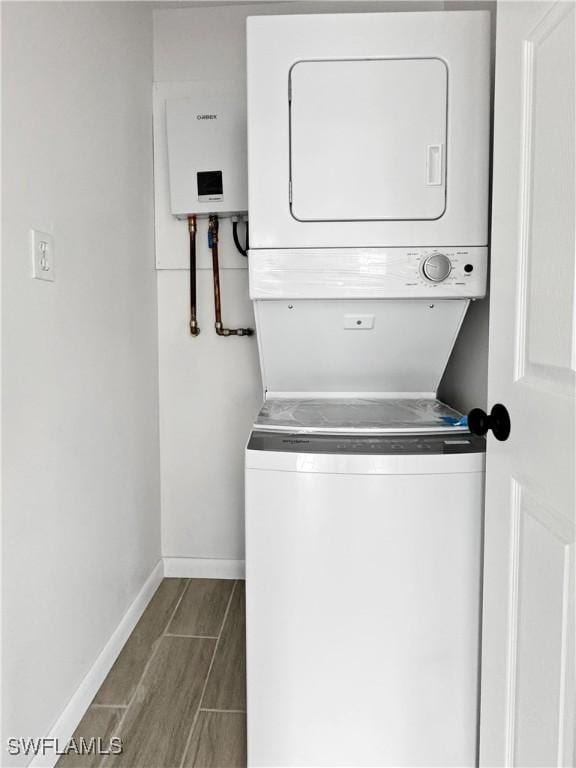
{"x":194,"y":329}
{"x":213,"y":244}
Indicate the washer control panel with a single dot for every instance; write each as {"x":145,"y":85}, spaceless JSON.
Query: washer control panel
{"x":375,"y":445}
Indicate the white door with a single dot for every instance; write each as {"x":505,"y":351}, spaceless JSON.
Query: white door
{"x":367,"y":139}
{"x":528,"y":659}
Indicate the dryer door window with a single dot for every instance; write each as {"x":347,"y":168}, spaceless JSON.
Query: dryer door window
{"x":368,"y":139}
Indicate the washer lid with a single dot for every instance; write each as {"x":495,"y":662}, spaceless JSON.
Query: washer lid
{"x":357,"y":416}
{"x":349,"y":348}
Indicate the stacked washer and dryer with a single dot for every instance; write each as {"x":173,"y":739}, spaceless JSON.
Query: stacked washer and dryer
{"x":368,"y":201}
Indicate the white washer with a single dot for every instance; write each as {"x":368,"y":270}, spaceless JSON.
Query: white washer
{"x":363,"y":564}
{"x":363,"y":522}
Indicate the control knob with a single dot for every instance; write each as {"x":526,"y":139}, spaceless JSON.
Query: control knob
{"x":436,"y":267}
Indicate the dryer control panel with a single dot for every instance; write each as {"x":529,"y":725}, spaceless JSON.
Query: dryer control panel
{"x":368,"y":273}
{"x":437,"y":267}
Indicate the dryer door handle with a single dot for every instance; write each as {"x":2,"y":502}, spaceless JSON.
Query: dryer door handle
{"x":479,"y":422}
{"x":434,"y":165}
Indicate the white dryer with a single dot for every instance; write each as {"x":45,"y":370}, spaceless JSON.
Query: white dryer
{"x":368,"y":130}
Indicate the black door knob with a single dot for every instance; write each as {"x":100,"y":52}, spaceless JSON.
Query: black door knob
{"x":498,"y":421}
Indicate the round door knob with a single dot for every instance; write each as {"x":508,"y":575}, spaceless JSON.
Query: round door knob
{"x":437,"y":267}
{"x":498,"y":421}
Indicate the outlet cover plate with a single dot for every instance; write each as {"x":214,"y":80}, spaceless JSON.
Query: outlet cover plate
{"x":42,"y":251}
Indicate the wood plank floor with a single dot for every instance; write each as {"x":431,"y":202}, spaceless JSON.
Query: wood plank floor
{"x":176,"y":695}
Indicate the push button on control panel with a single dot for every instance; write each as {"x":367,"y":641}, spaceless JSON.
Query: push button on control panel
{"x":436,"y":267}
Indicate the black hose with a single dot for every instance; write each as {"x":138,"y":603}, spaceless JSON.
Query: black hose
{"x":243,"y":251}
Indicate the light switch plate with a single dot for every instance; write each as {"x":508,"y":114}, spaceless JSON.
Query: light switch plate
{"x":42,"y":251}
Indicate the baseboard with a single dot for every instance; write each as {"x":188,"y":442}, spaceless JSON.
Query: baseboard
{"x":203,"y":568}
{"x":80,"y":701}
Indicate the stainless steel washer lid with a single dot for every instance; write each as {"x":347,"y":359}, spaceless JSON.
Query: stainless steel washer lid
{"x":357,"y":416}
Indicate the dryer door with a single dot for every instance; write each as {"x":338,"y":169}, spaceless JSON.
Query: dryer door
{"x":368,"y":139}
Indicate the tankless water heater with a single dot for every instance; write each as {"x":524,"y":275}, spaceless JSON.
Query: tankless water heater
{"x":206,"y":135}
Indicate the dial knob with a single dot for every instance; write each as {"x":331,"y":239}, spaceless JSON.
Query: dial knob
{"x":437,"y":267}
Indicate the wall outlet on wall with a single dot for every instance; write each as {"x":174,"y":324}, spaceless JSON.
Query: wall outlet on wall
{"x":42,"y":250}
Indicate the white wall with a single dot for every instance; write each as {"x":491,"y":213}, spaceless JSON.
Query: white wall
{"x":210,"y":388}
{"x":81,"y":523}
